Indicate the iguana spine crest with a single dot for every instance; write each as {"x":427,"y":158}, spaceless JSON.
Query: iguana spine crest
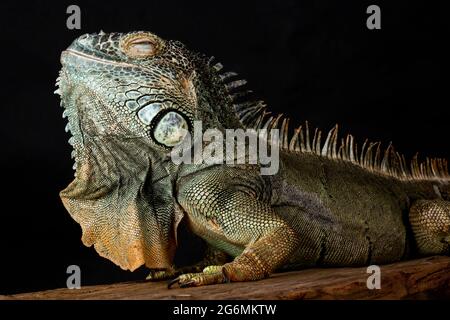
{"x":371,"y":156}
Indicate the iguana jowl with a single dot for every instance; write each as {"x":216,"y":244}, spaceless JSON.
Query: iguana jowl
{"x":128,"y":96}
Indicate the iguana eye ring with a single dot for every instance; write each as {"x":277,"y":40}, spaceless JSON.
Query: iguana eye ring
{"x":141,"y":45}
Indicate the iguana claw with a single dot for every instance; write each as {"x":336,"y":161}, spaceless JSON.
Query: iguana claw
{"x":210,"y":275}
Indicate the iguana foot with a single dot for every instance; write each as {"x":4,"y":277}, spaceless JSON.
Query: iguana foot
{"x":158,"y":275}
{"x":210,"y":275}
{"x":212,"y":263}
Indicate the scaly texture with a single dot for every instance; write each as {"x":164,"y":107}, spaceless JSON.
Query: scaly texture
{"x":130,"y":98}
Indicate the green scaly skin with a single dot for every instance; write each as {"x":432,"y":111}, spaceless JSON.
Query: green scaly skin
{"x":323,"y":207}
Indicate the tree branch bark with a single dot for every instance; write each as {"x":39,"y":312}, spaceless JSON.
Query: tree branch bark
{"x":416,"y":279}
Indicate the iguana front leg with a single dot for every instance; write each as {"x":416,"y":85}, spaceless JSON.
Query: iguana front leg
{"x":235,"y":215}
{"x":257,"y":261}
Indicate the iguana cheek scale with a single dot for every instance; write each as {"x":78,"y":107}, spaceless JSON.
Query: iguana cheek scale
{"x":129,"y":99}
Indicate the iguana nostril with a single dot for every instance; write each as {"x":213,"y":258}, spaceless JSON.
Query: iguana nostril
{"x":83,"y":37}
{"x":84,"y":40}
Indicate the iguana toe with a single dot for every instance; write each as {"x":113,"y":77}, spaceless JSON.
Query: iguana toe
{"x":198,"y":279}
{"x":158,"y":275}
{"x":212,"y":269}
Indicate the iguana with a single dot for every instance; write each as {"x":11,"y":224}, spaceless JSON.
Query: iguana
{"x":129,"y":96}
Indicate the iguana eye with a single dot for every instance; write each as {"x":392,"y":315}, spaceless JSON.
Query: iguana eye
{"x":171,"y":129}
{"x":140,"y":46}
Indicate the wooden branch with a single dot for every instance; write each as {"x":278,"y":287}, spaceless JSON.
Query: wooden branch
{"x":423,"y":278}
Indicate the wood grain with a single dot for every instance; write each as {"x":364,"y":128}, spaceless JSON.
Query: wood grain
{"x":415,"y":279}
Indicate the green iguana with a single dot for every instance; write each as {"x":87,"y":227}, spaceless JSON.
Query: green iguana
{"x":129,"y":96}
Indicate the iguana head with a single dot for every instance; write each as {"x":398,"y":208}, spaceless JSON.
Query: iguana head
{"x":129,"y":98}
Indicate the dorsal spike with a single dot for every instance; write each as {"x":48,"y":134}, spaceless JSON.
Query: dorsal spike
{"x":394,"y":163}
{"x":351,"y":148}
{"x":361,"y":159}
{"x":274,"y":125}
{"x":385,"y":165}
{"x":404,"y":165}
{"x":259,"y":121}
{"x":318,"y":141}
{"x":255,"y":120}
{"x":218,"y":66}
{"x":302,"y":141}
{"x":244,"y":106}
{"x":251,"y":114}
{"x":341,"y":151}
{"x":444,"y":165}
{"x":377,"y":161}
{"x":335,"y":138}
{"x":308,"y":145}
{"x":356,"y":154}
{"x":235,"y":84}
{"x":439,"y":167}
{"x":284,"y":133}
{"x":443,"y":169}
{"x":267,"y":124}
{"x":293,"y":144}
{"x":402,"y":171}
{"x":347,"y":149}
{"x":313,"y":146}
{"x":368,"y":158}
{"x":241,"y":94}
{"x":434,"y":167}
{"x":415,"y":166}
{"x":227,"y":75}
{"x":327,"y":145}
{"x":210,"y":60}
{"x":429,"y":169}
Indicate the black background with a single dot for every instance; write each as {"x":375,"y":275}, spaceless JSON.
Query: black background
{"x":313,"y":60}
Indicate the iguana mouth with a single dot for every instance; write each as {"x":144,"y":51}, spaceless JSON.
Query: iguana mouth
{"x":65,"y":58}
{"x":72,"y":57}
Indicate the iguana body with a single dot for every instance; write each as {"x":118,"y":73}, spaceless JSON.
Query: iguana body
{"x":127,"y":96}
